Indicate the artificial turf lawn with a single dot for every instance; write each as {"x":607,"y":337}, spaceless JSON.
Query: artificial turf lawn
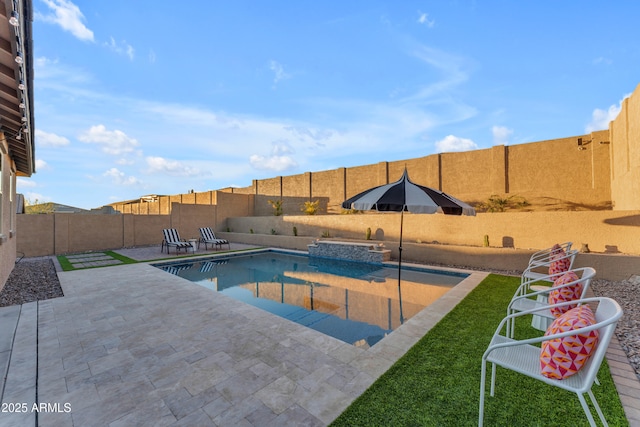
{"x":67,"y":266}
{"x":437,"y":382}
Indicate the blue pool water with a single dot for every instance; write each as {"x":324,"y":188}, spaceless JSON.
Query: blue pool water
{"x":358,"y":303}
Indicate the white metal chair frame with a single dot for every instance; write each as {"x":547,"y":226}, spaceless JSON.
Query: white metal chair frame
{"x":525,"y":297}
{"x":543,"y":256}
{"x":523,"y":357}
{"x":530,"y":274}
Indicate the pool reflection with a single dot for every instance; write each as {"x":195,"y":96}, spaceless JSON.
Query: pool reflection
{"x":355,"y":302}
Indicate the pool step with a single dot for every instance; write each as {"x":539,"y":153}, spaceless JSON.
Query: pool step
{"x":306,"y":317}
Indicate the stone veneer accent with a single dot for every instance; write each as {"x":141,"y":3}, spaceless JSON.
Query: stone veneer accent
{"x":367,"y":252}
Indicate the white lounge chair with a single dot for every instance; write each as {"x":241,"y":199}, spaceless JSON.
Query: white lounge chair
{"x":208,"y":237}
{"x":523,"y":356}
{"x":529,"y":295}
{"x":172,"y":239}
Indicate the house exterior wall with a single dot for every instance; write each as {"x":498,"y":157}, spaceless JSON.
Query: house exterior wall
{"x":8,"y":228}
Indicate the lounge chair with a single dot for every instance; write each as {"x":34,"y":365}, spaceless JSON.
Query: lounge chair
{"x":172,"y":239}
{"x":208,"y":237}
{"x":526,"y":356}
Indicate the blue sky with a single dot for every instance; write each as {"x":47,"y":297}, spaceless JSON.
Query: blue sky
{"x":153,"y":97}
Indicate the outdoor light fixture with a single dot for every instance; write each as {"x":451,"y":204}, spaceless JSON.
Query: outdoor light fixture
{"x":19,"y":59}
{"x":14,"y":19}
{"x":22,"y":104}
{"x":24,"y":119}
{"x":19,"y":135}
{"x":21,"y":85}
{"x":582,"y":143}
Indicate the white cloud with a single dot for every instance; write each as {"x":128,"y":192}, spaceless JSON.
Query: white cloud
{"x":32,"y":198}
{"x":314,"y":134}
{"x":278,"y":71}
{"x":120,"y":178}
{"x":501,"y":135}
{"x":424,"y":19}
{"x":124,"y":162}
{"x":454,"y":71}
{"x":22,"y":182}
{"x":455,"y":143}
{"x":46,"y":139}
{"x":278,"y":160}
{"x":170,"y":167}
{"x":602,"y":60}
{"x":121,"y":49}
{"x":41,"y":164}
{"x":600,"y":118}
{"x":68,"y":16}
{"x":113,"y":142}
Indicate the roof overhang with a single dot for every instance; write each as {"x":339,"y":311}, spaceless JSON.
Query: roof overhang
{"x":16,"y":83}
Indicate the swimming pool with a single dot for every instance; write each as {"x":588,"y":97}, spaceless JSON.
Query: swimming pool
{"x":358,"y":303}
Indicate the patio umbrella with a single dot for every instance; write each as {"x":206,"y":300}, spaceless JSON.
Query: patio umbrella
{"x":403,"y":195}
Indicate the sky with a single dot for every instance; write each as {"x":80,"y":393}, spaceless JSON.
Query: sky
{"x":155,"y":97}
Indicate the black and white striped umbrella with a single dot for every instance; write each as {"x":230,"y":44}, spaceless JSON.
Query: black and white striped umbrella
{"x":403,"y":195}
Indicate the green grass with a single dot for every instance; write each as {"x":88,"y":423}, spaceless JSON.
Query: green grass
{"x":67,"y":266}
{"x":437,"y":382}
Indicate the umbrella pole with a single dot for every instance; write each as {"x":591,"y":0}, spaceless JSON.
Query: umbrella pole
{"x":400,"y":248}
{"x":400,"y":266}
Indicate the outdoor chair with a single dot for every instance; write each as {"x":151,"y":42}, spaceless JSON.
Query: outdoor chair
{"x":208,"y":237}
{"x":172,"y":239}
{"x":542,"y":257}
{"x":525,"y":357}
{"x":550,"y":261}
{"x":530,"y":295}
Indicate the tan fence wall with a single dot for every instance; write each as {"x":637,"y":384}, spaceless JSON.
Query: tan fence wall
{"x":550,"y":175}
{"x":602,"y":231}
{"x":53,"y":234}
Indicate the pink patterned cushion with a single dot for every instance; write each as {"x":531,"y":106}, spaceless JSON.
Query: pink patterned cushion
{"x":568,"y":293}
{"x":562,"y":357}
{"x":558,"y":265}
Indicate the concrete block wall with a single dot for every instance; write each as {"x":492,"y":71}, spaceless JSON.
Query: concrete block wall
{"x":55,"y":234}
